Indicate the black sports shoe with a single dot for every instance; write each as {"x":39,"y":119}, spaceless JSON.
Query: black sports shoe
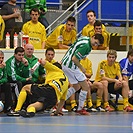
{"x":74,"y":109}
{"x":100,"y":109}
{"x":91,"y":109}
{"x":13,"y":113}
{"x":26,"y":114}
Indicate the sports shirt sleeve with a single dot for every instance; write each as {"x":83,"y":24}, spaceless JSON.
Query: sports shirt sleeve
{"x":82,"y":51}
{"x":3,"y":75}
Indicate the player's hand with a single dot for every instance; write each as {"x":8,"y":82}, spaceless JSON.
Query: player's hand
{"x":42,"y":62}
{"x":24,"y":61}
{"x":16,"y":14}
{"x":56,"y":114}
{"x":27,"y":79}
{"x":83,"y":70}
{"x":32,"y":71}
{"x":2,"y":65}
{"x":118,"y":83}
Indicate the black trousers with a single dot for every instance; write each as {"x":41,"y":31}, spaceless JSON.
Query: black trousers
{"x":6,"y":89}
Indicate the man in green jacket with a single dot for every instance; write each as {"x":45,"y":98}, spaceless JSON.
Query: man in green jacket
{"x":17,"y":68}
{"x":32,"y":60}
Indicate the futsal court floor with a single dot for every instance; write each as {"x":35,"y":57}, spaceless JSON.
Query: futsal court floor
{"x":99,"y":122}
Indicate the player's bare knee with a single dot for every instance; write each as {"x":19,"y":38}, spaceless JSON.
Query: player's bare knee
{"x":27,"y":88}
{"x":125,"y":84}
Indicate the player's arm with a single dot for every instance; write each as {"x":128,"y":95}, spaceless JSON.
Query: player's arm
{"x":110,"y":80}
{"x":62,"y":46}
{"x":120,"y":77}
{"x":43,"y":62}
{"x":60,"y":38}
{"x":43,"y":45}
{"x":44,"y":38}
{"x":59,"y":107}
{"x":88,"y":75}
{"x":14,"y":15}
{"x":77,"y":62}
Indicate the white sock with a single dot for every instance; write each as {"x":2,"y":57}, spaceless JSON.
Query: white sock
{"x":82,"y":98}
{"x":71,"y":91}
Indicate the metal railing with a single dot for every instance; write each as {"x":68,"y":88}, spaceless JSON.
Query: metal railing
{"x":76,"y":11}
{"x":49,"y":27}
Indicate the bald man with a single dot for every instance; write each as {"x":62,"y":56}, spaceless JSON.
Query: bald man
{"x":40,"y":71}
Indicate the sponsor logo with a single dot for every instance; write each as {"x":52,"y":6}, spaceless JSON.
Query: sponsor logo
{"x":56,"y":84}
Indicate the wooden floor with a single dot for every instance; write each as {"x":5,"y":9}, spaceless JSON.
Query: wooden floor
{"x":106,"y":122}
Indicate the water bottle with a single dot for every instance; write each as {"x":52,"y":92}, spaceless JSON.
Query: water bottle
{"x":25,"y":40}
{"x":36,"y":65}
{"x":20,"y":39}
{"x":15,"y":40}
{"x":7,"y":40}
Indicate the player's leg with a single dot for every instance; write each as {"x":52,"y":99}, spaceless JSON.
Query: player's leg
{"x":22,"y":96}
{"x":125,"y":92}
{"x":82,"y":97}
{"x":73,"y":102}
{"x":89,"y":105}
{"x":108,"y":88}
{"x":31,"y":109}
{"x":21,"y":99}
{"x":72,"y":89}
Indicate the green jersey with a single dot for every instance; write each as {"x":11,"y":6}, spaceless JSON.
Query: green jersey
{"x":16,"y":71}
{"x":39,"y":71}
{"x":40,"y":4}
{"x":80,"y":49}
{"x":3,"y":75}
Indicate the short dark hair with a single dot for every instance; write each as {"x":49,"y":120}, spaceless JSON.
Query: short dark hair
{"x":91,"y":11}
{"x":97,"y":23}
{"x":1,"y":52}
{"x":35,"y":10}
{"x":130,"y":52}
{"x":19,"y":49}
{"x":71,"y":19}
{"x":49,"y":49}
{"x":99,"y":37}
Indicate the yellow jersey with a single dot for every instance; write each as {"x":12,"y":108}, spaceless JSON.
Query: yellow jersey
{"x":36,"y":33}
{"x":56,"y":78}
{"x":42,"y":77}
{"x":87,"y":64}
{"x":104,"y":70}
{"x":52,"y":61}
{"x":88,"y":28}
{"x":60,"y":35}
{"x":105,"y":34}
{"x":2,"y":27}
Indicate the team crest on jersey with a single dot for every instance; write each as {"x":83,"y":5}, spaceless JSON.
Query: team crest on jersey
{"x":60,"y":38}
{"x":102,"y":72}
